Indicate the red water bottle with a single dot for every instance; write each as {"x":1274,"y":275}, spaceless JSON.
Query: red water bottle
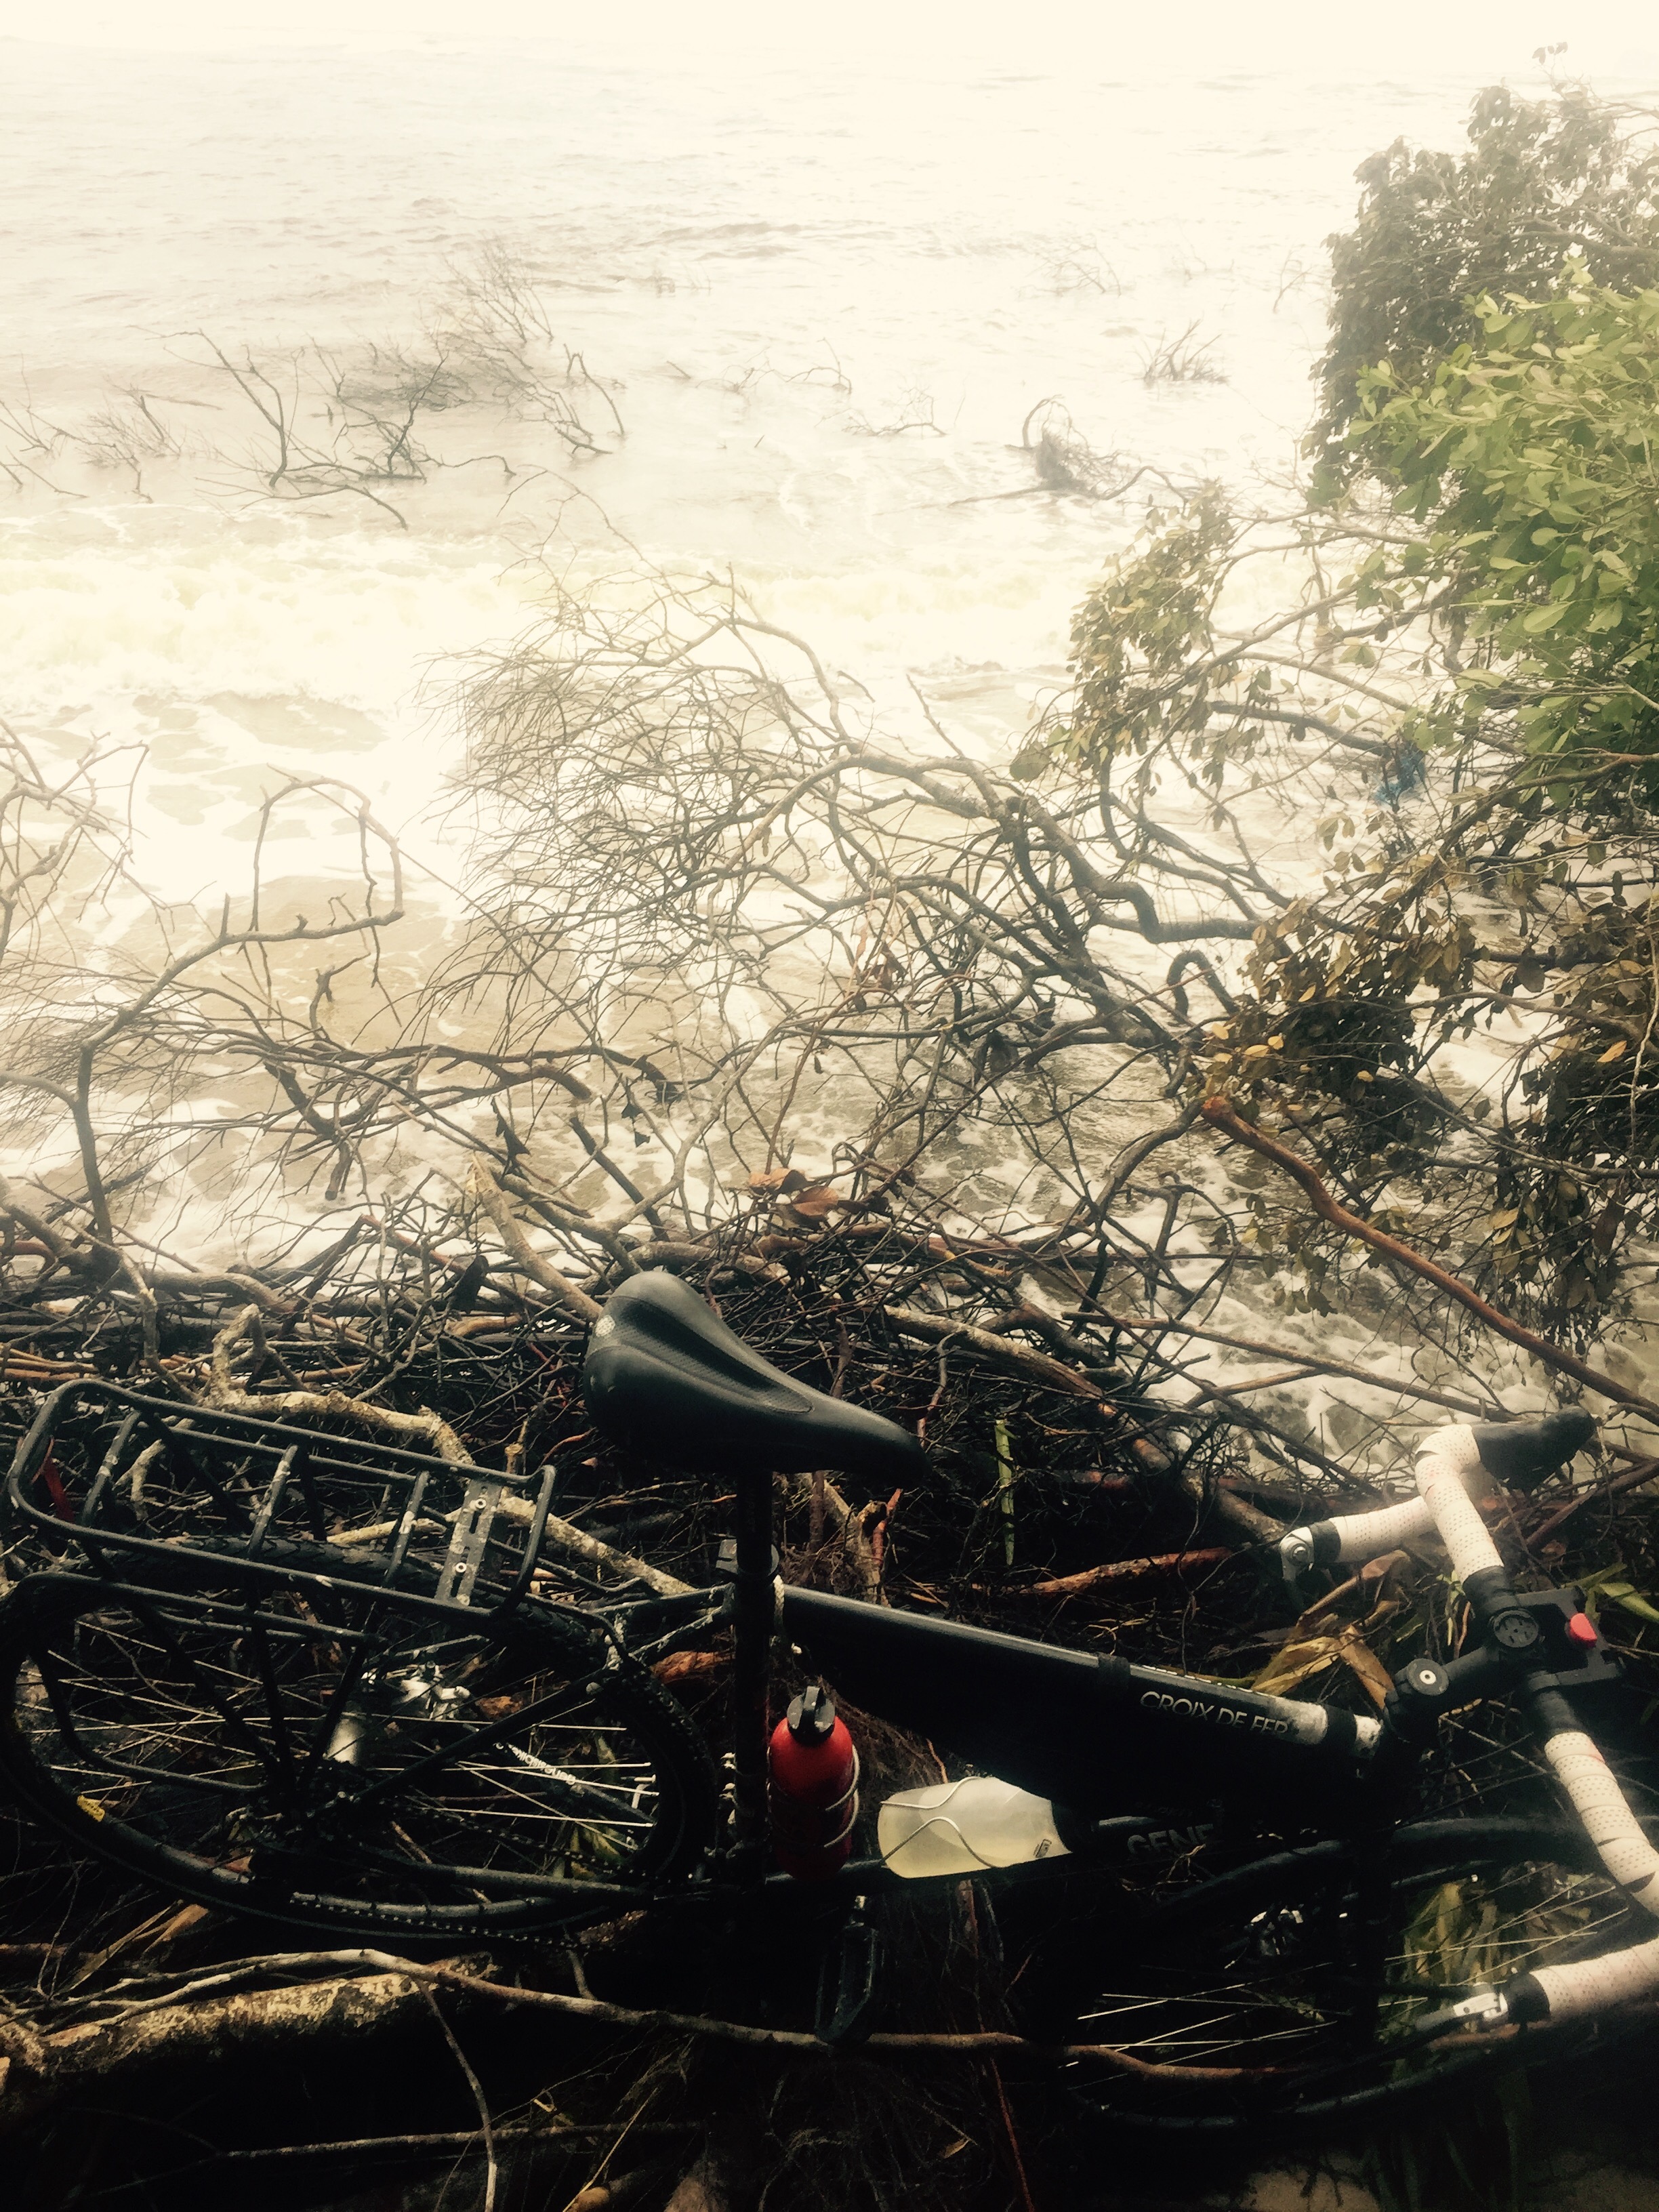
{"x":812,"y":1785}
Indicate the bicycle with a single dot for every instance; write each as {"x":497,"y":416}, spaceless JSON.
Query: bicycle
{"x":342,"y":1688}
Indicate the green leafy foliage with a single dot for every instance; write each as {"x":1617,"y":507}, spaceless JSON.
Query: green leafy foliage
{"x":1442,"y":672}
{"x":1138,"y":636}
{"x":1532,"y":458}
{"x":1539,"y":179}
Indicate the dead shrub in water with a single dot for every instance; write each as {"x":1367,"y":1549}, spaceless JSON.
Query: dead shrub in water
{"x":1184,"y":359}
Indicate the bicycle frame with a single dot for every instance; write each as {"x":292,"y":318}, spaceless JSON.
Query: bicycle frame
{"x":1100,"y":1737}
{"x":1096,"y":1734}
{"x":1130,"y":1757}
{"x":1129,"y":1752}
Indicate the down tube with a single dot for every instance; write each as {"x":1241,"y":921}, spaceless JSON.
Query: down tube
{"x":1094,"y":1732}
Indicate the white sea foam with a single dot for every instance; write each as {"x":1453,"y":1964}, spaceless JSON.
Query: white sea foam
{"x":773,"y":270}
{"x":776,"y":262}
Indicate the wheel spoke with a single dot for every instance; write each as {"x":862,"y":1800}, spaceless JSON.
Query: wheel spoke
{"x":1321,"y":1985}
{"x":365,"y":1767}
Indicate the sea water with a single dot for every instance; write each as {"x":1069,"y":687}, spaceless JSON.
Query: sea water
{"x":817,"y":304}
{"x":823,"y":303}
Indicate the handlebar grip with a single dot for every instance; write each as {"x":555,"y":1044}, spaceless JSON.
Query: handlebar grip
{"x":1520,"y":1454}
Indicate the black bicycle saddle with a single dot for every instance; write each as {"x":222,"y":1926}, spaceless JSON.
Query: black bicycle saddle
{"x":1522,"y":1453}
{"x":667,"y":1378}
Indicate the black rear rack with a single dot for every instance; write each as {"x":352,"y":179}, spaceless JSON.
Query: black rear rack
{"x":153,"y":1489}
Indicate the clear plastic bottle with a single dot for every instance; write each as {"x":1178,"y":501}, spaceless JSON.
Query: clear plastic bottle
{"x":962,"y":1827}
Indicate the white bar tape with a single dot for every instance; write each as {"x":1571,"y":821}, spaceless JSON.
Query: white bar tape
{"x":1364,"y":1535}
{"x":1448,"y":1462}
{"x":1610,"y":1825}
{"x":1448,"y":1466}
{"x":1592,"y":1984}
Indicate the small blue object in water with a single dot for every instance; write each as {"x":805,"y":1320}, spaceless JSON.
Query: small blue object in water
{"x":1405,"y":775}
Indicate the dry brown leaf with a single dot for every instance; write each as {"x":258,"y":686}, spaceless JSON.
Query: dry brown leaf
{"x":817,"y":1201}
{"x":1385,"y":1568}
{"x":1357,"y":1654}
{"x":776,"y":1182}
{"x":1299,"y":1661}
{"x":1295,"y":1663}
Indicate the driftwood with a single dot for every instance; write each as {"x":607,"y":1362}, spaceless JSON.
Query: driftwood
{"x":344,"y":2001}
{"x":1303,"y":1365}
{"x":120,"y":2057}
{"x":819,"y":1494}
{"x":1061,"y":1588}
{"x":489,"y":1195}
{"x":1017,"y":1359}
{"x":1034,"y":1366}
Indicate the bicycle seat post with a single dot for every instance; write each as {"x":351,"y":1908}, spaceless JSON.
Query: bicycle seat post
{"x":665,"y":1377}
{"x":752,"y":1615}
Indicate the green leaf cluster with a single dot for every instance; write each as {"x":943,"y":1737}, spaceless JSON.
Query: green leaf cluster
{"x":1539,"y":180}
{"x":1436,"y":677}
{"x":1140,"y":639}
{"x":1529,"y":457}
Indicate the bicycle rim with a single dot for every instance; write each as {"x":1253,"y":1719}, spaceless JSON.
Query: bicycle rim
{"x":1287,"y":1995}
{"x":367,"y":1772}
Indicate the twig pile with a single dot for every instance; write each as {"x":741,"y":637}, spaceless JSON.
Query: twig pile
{"x":1062,"y":1499}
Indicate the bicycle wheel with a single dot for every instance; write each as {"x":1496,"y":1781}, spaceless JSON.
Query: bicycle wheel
{"x":379,"y":1771}
{"x":1285,"y":1994}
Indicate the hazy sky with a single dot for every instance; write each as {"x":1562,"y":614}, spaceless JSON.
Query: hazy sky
{"x":1411,"y":37}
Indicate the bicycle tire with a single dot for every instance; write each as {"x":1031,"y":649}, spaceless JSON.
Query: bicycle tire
{"x":1278,"y":1998}
{"x":469,"y":1783}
